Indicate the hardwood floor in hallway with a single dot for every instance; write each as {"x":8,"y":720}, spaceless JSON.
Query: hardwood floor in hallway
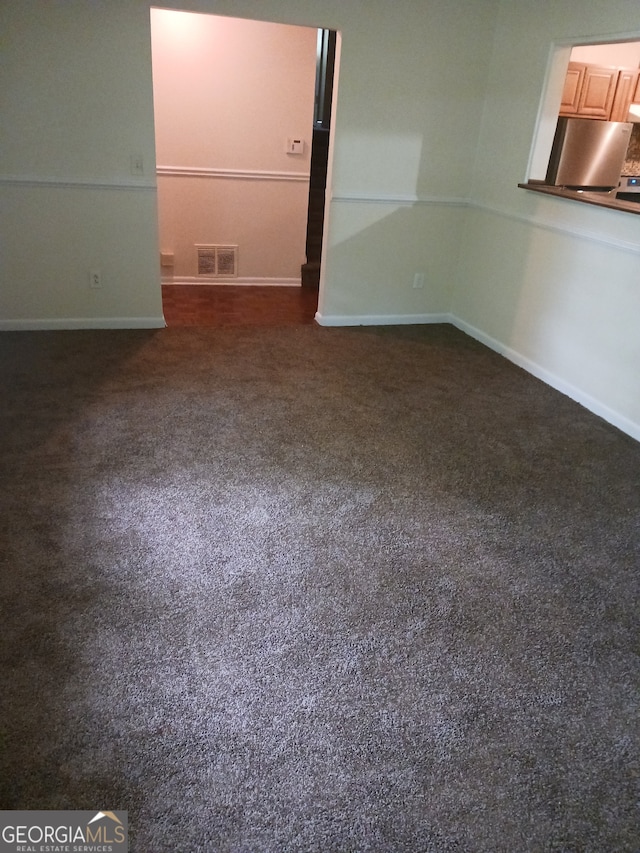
{"x":238,"y":305}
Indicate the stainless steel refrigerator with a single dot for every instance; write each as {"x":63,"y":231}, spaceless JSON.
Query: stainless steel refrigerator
{"x":588,"y":154}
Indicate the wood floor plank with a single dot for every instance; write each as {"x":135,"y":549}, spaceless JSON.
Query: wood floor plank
{"x":238,"y":305}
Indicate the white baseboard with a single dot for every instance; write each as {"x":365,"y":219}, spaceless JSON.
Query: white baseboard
{"x":380,"y":319}
{"x":595,"y":406}
{"x":36,"y":325}
{"x":603,"y":411}
{"x":246,"y":281}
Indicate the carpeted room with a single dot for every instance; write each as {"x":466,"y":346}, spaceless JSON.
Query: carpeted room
{"x":306,"y":589}
{"x":321,"y":589}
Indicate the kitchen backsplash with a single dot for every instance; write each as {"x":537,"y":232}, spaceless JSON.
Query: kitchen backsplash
{"x":632,"y":163}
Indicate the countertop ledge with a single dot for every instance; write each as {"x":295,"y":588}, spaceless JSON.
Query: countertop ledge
{"x":599,"y":199}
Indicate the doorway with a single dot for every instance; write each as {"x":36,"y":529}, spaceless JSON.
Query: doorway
{"x":236,"y":111}
{"x":325,"y":66}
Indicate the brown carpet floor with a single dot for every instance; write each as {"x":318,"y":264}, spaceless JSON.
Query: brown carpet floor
{"x":313,"y":590}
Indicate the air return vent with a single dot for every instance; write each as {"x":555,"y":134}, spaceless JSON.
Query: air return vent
{"x":217,"y":261}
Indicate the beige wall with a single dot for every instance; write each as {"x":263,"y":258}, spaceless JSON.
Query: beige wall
{"x":228,"y":93}
{"x":621,"y":54}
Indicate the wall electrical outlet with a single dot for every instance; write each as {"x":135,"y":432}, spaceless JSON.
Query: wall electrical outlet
{"x":95,"y":279}
{"x":418,"y":281}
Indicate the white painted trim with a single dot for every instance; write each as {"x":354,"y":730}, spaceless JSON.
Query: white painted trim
{"x":76,"y":183}
{"x":595,"y":406}
{"x":397,"y":201}
{"x":380,"y":319}
{"x":567,"y":230}
{"x":537,"y":222}
{"x":400,"y":200}
{"x":60,"y":324}
{"x":236,"y":174}
{"x":208,"y":281}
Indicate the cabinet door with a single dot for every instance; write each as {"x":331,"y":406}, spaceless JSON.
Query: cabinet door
{"x":598,"y":90}
{"x":572,"y":89}
{"x":627,"y":82}
{"x":636,"y":96}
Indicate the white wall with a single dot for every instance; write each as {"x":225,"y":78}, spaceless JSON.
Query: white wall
{"x":228,"y":93}
{"x":76,"y":104}
{"x":554,"y":284}
{"x":410,"y":98}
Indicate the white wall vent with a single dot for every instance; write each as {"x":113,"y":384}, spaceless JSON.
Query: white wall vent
{"x":217,"y":261}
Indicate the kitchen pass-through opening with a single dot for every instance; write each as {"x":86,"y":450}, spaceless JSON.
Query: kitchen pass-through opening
{"x":588,"y":128}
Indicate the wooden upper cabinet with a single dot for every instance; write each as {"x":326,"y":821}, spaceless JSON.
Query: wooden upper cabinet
{"x":572,"y":89}
{"x":599,"y":92}
{"x":628,"y":82}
